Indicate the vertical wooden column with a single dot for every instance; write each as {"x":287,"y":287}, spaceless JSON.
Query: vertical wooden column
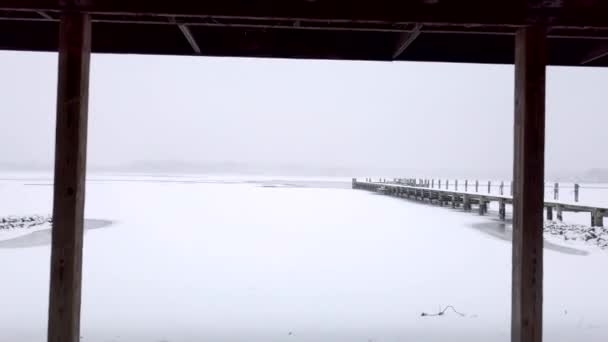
{"x":69,"y":186}
{"x":528,"y":176}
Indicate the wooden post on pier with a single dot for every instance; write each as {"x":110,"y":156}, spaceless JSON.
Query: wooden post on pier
{"x":447,"y":184}
{"x":476,"y":186}
{"x":482,"y":206}
{"x":489,"y":186}
{"x":466,"y":185}
{"x":69,"y":184}
{"x":502,"y":188}
{"x":550,"y":213}
{"x":466,"y":202}
{"x":502,"y":210}
{"x":576,"y":186}
{"x":556,"y":191}
{"x":439,"y":184}
{"x":597,"y":218}
{"x":528,"y":176}
{"x":558,"y":211}
{"x":433,"y":183}
{"x":454,"y":201}
{"x":456,"y":185}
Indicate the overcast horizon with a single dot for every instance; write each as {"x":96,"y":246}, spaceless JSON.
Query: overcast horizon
{"x":431,"y":118}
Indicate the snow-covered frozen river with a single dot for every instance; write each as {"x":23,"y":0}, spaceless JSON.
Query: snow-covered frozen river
{"x":266,"y":260}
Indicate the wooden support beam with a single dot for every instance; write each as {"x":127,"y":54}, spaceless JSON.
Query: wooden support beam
{"x":502,"y":209}
{"x":550,"y":213}
{"x":406,"y":39}
{"x":482,"y":206}
{"x":597,"y":218}
{"x":599,"y":51}
{"x":466,"y":202}
{"x":69,"y":185}
{"x":44,"y":15}
{"x":528,"y":176}
{"x":559,"y":210}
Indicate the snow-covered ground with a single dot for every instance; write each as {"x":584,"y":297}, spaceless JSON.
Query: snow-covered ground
{"x":240,"y":259}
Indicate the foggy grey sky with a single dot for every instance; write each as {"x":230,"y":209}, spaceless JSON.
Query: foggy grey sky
{"x":434,"y":117}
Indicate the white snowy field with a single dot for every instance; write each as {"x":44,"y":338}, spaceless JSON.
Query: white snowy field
{"x":270,"y":260}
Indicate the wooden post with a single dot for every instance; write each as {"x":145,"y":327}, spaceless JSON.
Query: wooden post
{"x":489,"y":186}
{"x":502,"y":188}
{"x":69,"y":185}
{"x":597,"y":218}
{"x":482,"y":204}
{"x":466,"y":202}
{"x":550,"y":213}
{"x":476,"y":186}
{"x":439,"y":184}
{"x":466,"y":185}
{"x":576,"y":186}
{"x":558,"y":210}
{"x":433,"y":183}
{"x":556,"y":191}
{"x":447,"y":184}
{"x":455,"y":184}
{"x":528,"y":176}
{"x":502,"y":210}
{"x":511,"y":188}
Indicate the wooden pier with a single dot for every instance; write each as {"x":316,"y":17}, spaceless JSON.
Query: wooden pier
{"x":466,"y":200}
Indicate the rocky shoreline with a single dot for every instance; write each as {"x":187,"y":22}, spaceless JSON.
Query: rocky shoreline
{"x":14,"y":222}
{"x":597,"y":236}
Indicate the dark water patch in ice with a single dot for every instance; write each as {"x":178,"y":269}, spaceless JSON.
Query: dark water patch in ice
{"x":500,"y":230}
{"x":43,"y":237}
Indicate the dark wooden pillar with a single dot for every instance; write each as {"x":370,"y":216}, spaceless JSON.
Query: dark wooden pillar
{"x":528,"y":176}
{"x":69,"y":186}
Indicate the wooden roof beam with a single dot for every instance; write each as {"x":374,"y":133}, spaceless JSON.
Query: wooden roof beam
{"x":190,"y":38}
{"x":406,"y":39}
{"x":509,"y":13}
{"x":599,"y":51}
{"x":44,"y":15}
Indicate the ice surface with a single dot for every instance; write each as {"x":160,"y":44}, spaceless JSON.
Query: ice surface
{"x":239,"y":261}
